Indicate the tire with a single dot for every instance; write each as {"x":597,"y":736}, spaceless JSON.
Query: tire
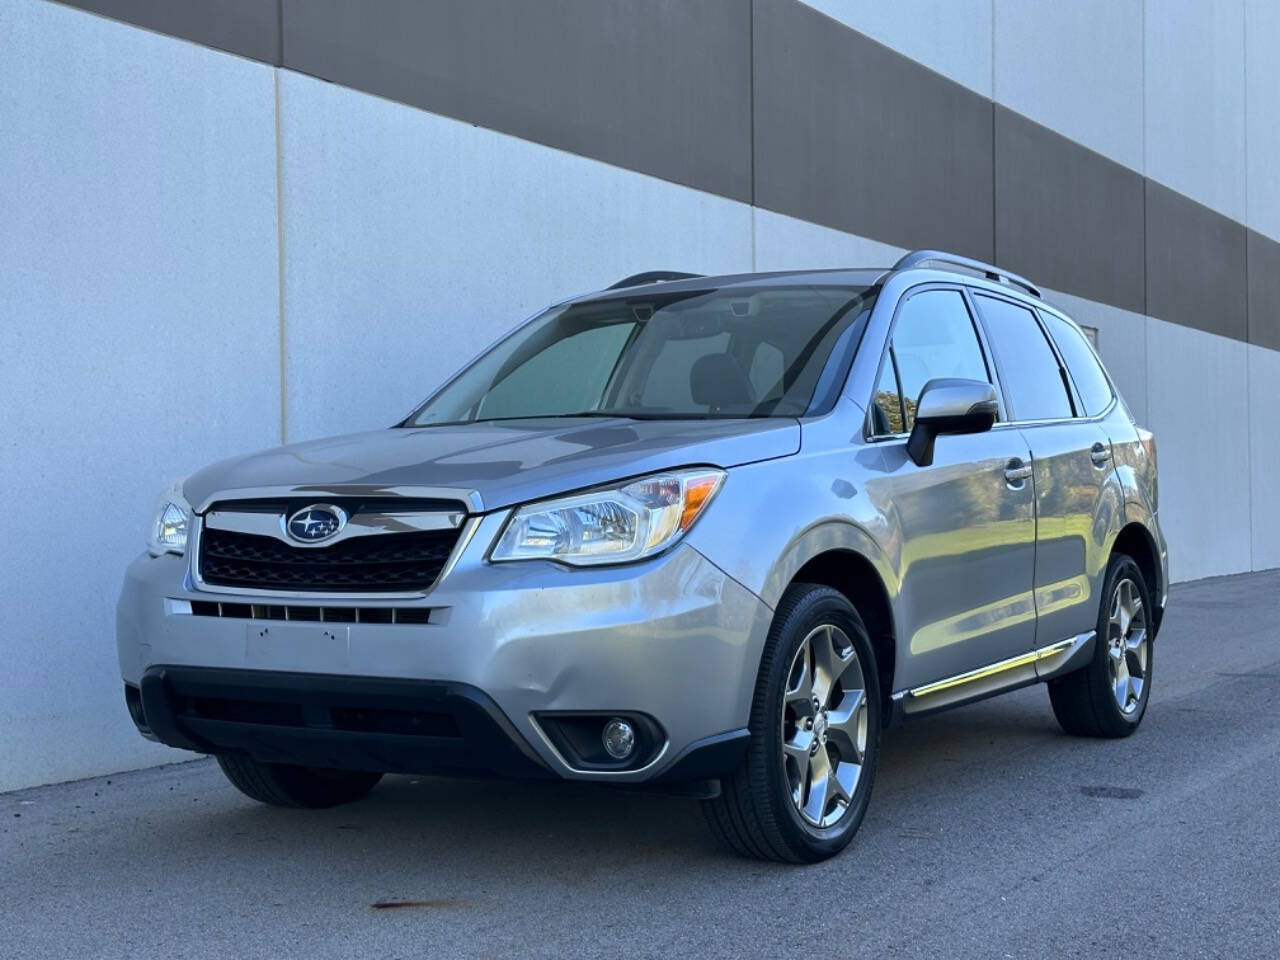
{"x":1087,"y":702}
{"x":285,"y":785}
{"x":757,"y":814}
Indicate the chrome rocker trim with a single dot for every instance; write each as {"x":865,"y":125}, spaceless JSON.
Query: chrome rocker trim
{"x":1003,"y":675}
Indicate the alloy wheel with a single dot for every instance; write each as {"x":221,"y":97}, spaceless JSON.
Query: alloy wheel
{"x":1127,"y":646}
{"x":824,"y":726}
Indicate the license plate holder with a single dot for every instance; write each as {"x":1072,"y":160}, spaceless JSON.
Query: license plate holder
{"x":288,"y":646}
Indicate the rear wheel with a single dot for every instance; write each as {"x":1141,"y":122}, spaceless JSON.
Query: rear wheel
{"x":285,"y":785}
{"x":1109,"y":696}
{"x":804,"y":786}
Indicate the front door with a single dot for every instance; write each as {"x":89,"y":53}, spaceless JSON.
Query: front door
{"x":968,"y":539}
{"x":964,"y":526}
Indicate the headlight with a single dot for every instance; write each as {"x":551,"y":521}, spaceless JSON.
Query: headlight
{"x":169,"y":528}
{"x":614,"y":525}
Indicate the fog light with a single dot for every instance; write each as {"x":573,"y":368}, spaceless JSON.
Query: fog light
{"x":619,"y":738}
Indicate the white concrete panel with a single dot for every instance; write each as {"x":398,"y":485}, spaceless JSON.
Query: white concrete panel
{"x":1075,"y":68}
{"x":1262,"y":101}
{"x":1264,"y":454}
{"x":1195,"y":113}
{"x":952,"y":38}
{"x":785,"y":243}
{"x":1198,"y":398}
{"x":1122,"y":344}
{"x":413,"y":240}
{"x":138,"y":310}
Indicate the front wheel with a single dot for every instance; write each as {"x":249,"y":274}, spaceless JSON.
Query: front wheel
{"x":1108,"y":697}
{"x":803,"y":788}
{"x":286,"y":785}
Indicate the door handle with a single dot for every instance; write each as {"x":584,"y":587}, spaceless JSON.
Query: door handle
{"x":1015,"y":472}
{"x":1100,"y":454}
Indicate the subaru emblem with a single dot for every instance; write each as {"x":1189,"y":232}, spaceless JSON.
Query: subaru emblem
{"x":316,"y":523}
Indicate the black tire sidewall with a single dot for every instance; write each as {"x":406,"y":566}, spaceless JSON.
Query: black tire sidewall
{"x":1121,"y":567}
{"x":814,"y":607}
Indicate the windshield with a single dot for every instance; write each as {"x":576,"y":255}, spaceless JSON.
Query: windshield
{"x":746,"y":352}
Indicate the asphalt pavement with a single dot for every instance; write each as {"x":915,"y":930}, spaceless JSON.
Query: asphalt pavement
{"x":990,"y":834}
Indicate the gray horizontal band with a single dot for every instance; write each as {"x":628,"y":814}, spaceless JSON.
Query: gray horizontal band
{"x":854,"y":136}
{"x":773,"y":103}
{"x":1263,"y":258}
{"x":250,"y":28}
{"x":1195,"y":265}
{"x":1068,"y":217}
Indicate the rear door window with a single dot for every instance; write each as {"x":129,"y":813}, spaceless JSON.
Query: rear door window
{"x":1091,"y":383}
{"x":1030,"y":376}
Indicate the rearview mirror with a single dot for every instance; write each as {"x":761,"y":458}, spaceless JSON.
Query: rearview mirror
{"x":950,"y":405}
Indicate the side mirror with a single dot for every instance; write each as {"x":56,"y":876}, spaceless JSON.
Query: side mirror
{"x":950,"y":405}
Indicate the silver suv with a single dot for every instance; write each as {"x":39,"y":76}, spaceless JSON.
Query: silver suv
{"x":708,"y":535}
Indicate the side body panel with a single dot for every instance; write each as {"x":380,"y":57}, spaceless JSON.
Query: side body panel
{"x":1136,"y":472}
{"x":963,"y":541}
{"x":1079,"y":511}
{"x":844,"y":493}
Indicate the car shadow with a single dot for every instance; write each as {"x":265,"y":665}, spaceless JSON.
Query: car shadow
{"x":584,"y":830}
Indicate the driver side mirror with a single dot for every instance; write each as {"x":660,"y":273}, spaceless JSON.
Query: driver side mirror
{"x":950,"y":405}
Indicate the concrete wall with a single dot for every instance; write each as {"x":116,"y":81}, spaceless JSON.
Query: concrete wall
{"x":138,"y":308}
{"x":202,"y":254}
{"x":412,"y":240}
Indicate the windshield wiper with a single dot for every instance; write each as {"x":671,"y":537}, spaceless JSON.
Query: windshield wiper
{"x":555,"y":416}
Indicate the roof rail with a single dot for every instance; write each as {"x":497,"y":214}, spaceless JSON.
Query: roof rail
{"x":919,"y":258}
{"x":652,"y":276}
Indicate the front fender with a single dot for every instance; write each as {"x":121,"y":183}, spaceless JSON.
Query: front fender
{"x":814,"y":504}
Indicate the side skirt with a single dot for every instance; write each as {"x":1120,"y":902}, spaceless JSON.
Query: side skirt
{"x":1034,"y":666}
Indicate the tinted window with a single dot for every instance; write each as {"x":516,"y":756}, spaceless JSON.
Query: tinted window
{"x":1091,"y":382}
{"x":659,"y":353}
{"x":667,"y":386}
{"x":767,"y":367}
{"x":934,"y":337}
{"x":591,"y":356}
{"x":1029,"y":371}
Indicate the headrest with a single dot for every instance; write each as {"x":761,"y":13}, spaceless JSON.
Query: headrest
{"x":717,"y":380}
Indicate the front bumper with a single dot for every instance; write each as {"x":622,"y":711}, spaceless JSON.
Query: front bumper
{"x":672,"y":638}
{"x":352,"y":723}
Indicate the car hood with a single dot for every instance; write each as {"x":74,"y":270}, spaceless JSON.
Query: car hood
{"x":492,"y":465}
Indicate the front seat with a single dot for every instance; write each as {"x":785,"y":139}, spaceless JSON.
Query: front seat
{"x":718,"y":381}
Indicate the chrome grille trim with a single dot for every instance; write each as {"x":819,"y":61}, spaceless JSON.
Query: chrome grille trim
{"x":373,"y":523}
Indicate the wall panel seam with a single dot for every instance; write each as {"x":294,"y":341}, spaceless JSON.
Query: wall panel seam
{"x":280,"y":299}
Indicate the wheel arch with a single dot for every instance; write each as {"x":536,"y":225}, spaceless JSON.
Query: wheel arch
{"x":855,"y":576}
{"x":1136,"y":542}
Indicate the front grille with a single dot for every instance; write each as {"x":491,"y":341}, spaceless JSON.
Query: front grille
{"x":380,"y":563}
{"x":277,"y":611}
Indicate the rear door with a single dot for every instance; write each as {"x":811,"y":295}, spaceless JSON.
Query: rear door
{"x":1077,"y":511}
{"x":964,"y":526}
{"x":1096,"y":402}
